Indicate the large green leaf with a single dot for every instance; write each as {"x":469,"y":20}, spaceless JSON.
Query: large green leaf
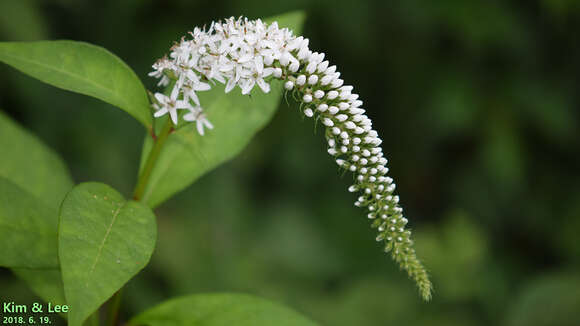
{"x":28,"y":163}
{"x":46,"y":283}
{"x":103,"y":241}
{"x":236,"y":119}
{"x":38,"y":171}
{"x":82,"y":68}
{"x":27,"y":234}
{"x":220,"y":310}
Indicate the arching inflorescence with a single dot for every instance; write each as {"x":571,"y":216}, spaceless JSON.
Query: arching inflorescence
{"x":246,"y":53}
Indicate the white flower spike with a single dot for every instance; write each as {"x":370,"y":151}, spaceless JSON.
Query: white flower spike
{"x":244,"y":53}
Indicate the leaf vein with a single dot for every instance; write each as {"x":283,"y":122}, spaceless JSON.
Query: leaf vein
{"x":102,"y":245}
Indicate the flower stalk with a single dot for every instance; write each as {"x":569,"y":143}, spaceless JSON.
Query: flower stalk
{"x":244,"y":53}
{"x":151,"y":160}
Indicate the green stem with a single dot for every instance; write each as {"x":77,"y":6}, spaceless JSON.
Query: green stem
{"x":115,"y":301}
{"x":151,"y":160}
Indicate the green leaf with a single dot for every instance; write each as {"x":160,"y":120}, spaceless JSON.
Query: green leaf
{"x":82,"y":68}
{"x":187,"y":156}
{"x":27,"y":233}
{"x":103,"y":241}
{"x":219,"y":310}
{"x":292,"y":20}
{"x":47,"y":283}
{"x":40,"y":172}
{"x":31,"y":165}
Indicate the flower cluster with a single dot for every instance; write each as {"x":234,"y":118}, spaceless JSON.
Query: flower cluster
{"x":246,"y":53}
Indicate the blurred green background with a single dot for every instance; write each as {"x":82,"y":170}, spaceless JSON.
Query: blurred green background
{"x":477,"y":104}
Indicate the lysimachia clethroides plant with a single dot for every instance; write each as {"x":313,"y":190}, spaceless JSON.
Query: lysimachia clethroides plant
{"x":249,"y":53}
{"x":80,"y":244}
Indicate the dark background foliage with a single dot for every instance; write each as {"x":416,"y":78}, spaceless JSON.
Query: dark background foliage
{"x":477,"y":104}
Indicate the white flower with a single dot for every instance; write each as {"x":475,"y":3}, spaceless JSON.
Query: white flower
{"x":244,"y":53}
{"x":289,"y":85}
{"x":196,"y":114}
{"x":166,"y":104}
{"x":300,"y":80}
